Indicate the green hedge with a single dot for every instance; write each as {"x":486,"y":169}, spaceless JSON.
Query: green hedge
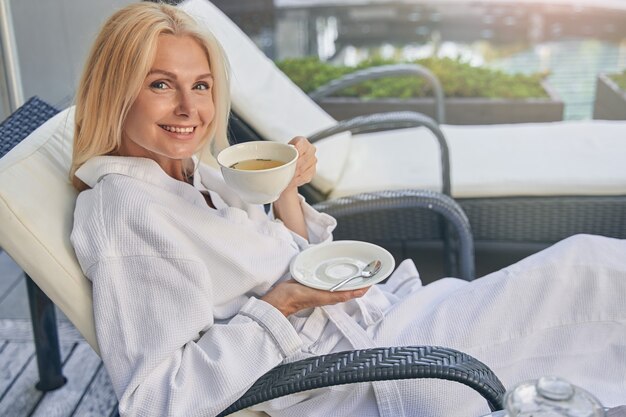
{"x":620,"y":79}
{"x":459,"y":79}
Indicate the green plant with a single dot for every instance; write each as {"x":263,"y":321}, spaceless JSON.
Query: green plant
{"x":620,"y":79}
{"x":458,"y":78}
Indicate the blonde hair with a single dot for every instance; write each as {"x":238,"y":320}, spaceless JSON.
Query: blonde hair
{"x":116,"y":67}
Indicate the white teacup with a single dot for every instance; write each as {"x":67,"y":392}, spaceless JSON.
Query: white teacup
{"x":250,"y":169}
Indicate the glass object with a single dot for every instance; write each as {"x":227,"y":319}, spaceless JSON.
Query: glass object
{"x":549,"y":396}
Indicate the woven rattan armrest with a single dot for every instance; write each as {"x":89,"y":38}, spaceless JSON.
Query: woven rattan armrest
{"x":377,"y":364}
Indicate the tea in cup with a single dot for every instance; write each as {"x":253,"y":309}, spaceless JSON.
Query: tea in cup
{"x":257,"y":164}
{"x":258,"y":171}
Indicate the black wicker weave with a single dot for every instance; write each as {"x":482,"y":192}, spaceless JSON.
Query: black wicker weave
{"x":22,"y":122}
{"x":375,"y":364}
{"x":545,"y":219}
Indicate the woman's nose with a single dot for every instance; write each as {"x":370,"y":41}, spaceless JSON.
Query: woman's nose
{"x":185,"y":105}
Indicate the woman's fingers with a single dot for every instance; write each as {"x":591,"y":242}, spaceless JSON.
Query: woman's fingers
{"x":306,"y":173}
{"x":341,"y":296}
{"x":307,"y":161}
{"x":304,"y":147}
{"x":290,"y":297}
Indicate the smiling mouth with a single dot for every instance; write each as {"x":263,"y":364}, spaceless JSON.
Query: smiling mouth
{"x":178,"y":130}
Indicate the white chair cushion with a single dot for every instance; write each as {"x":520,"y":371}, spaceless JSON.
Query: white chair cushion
{"x":267,"y":100}
{"x":404,"y":158}
{"x":534,"y":159}
{"x":36,"y":225}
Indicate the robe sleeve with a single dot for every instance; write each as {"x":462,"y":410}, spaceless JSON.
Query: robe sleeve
{"x":160,"y":345}
{"x":319,"y":225}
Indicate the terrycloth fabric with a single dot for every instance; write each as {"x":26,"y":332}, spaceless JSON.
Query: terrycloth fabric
{"x":182,"y":331}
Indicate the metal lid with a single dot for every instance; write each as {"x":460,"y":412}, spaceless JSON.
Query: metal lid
{"x":551,"y":396}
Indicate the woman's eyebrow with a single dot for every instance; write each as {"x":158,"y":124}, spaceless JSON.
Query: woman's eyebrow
{"x":173,"y":76}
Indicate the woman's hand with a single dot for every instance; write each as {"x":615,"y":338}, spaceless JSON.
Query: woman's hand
{"x":287,"y":207}
{"x":306,"y":164}
{"x":290,"y":297}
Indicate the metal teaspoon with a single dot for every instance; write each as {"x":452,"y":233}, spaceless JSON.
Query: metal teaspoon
{"x":370,"y":270}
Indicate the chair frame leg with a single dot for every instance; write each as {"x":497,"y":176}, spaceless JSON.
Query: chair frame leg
{"x":43,"y":318}
{"x":451,"y":264}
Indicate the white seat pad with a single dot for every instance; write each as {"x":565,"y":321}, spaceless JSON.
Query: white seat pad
{"x":533,"y":159}
{"x":36,"y":225}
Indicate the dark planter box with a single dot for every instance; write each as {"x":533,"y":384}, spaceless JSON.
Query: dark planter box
{"x":610,"y":102}
{"x":459,"y":111}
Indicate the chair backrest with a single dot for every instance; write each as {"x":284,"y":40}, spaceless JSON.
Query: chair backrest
{"x":269,"y":101}
{"x":36,"y":214}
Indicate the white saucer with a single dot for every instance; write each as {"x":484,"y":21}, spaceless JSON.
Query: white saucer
{"x":323,"y":266}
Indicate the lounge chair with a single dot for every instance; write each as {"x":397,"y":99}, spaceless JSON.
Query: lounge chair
{"x":36,"y":211}
{"x":523,"y":186}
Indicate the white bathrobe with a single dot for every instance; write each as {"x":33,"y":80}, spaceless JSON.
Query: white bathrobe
{"x":183,"y":332}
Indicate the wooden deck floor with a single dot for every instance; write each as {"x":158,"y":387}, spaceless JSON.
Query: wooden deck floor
{"x":88,"y":391}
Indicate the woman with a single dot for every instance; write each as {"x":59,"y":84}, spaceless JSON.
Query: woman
{"x":192,"y":298}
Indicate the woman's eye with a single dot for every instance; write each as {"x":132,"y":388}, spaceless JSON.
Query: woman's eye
{"x":159,"y":85}
{"x":202,"y":86}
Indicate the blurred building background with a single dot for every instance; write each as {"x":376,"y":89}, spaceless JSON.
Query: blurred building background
{"x":573,"y":40}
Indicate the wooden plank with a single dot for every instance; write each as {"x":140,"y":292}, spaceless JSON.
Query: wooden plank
{"x":13,"y":359}
{"x":10,"y":277}
{"x":100,"y":398}
{"x":15,"y":303}
{"x":79,"y":369}
{"x":10,"y":274}
{"x":22,"y":396}
{"x":8,"y":284}
{"x":21,"y":330}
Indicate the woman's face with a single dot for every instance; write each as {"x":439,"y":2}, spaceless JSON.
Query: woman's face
{"x":171,"y":115}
